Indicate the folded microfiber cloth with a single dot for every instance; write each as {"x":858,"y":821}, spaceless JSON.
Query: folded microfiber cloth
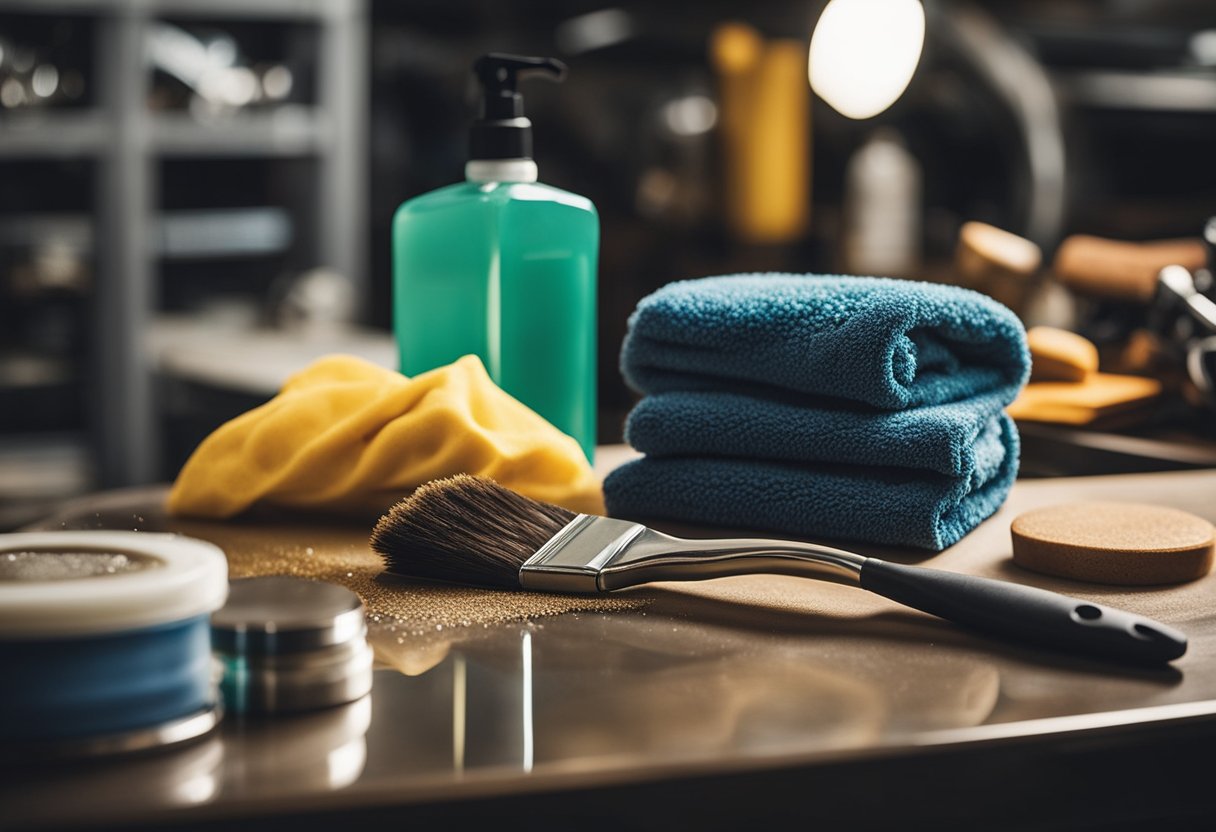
{"x":901,"y":506}
{"x":848,"y":407}
{"x":345,"y":435}
{"x":887,"y":343}
{"x":968,"y":440}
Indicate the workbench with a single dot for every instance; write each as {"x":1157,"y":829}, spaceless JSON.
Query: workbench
{"x":738,"y":702}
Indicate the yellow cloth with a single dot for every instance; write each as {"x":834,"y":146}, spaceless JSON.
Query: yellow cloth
{"x":346,"y":435}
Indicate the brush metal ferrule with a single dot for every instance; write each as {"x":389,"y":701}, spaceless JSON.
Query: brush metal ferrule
{"x":571,"y":560}
{"x":601,"y":554}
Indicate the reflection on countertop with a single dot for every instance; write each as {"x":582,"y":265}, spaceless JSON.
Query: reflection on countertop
{"x":663,"y":689}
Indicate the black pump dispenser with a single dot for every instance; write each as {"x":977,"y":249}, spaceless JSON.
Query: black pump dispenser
{"x":501,"y":130}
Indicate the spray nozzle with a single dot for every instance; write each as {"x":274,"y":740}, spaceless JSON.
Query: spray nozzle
{"x":500,"y":75}
{"x":501,"y":131}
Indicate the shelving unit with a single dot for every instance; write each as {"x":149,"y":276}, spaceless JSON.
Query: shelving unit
{"x":128,"y":142}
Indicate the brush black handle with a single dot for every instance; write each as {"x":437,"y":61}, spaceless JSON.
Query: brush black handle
{"x":1026,"y":614}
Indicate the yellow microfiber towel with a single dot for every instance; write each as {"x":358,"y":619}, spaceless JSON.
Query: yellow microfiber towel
{"x":345,"y":435}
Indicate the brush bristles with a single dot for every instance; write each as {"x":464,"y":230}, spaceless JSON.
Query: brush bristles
{"x":466,"y":530}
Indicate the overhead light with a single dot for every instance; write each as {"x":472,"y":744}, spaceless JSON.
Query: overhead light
{"x":864,"y":52}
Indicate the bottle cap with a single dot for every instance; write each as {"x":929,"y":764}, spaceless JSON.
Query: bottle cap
{"x":501,"y":130}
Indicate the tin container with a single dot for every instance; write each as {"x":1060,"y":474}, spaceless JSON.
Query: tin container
{"x":290,"y":644}
{"x":104,"y":641}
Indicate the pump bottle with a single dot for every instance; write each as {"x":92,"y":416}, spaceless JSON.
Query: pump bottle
{"x":503,"y":266}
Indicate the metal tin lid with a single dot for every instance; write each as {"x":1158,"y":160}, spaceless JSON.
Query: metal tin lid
{"x":276,"y":615}
{"x":61,"y":584}
{"x":298,"y":681}
{"x":290,"y":644}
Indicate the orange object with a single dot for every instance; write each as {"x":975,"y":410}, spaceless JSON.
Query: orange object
{"x":1060,"y":355}
{"x":1081,"y":403}
{"x":765,"y":103}
{"x":1121,"y":270}
{"x":1066,"y":387}
{"x":998,"y":263}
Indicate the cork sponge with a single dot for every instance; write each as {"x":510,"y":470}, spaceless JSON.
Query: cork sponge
{"x":1130,"y":544}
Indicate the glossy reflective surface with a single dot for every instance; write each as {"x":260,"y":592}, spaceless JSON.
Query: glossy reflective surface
{"x":716,"y":675}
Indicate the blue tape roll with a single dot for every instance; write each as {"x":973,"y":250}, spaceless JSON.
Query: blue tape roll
{"x":95,"y":685}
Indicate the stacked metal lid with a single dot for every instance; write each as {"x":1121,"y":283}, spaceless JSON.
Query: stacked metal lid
{"x":289,"y":644}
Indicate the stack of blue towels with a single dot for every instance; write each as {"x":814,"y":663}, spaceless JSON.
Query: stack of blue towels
{"x":857,"y":408}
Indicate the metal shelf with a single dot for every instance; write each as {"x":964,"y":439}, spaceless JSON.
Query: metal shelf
{"x":1184,"y":92}
{"x":301,"y":9}
{"x":288,"y":131}
{"x":192,"y":234}
{"x":229,"y":9}
{"x":54,"y":134}
{"x":39,"y":471}
{"x":128,"y":142}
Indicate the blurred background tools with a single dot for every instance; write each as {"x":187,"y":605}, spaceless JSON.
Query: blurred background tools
{"x":171,"y":169}
{"x":167,"y":166}
{"x":1091,"y":269}
{"x":999,"y":264}
{"x":1123,"y":271}
{"x":1159,"y":302}
{"x":1122,"y":340}
{"x":1066,"y":388}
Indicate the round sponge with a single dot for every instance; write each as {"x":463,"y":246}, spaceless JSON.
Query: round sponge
{"x":1114,"y":543}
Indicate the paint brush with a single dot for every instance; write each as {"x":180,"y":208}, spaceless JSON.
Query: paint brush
{"x":470,"y":530}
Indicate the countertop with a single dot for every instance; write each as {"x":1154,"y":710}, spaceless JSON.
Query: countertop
{"x":743,"y":700}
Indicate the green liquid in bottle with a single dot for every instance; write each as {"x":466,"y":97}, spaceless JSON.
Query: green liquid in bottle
{"x":506,"y":271}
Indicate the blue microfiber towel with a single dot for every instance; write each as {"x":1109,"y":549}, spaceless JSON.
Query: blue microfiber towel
{"x":887,"y":343}
{"x":964,"y":439}
{"x":900,"y":506}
